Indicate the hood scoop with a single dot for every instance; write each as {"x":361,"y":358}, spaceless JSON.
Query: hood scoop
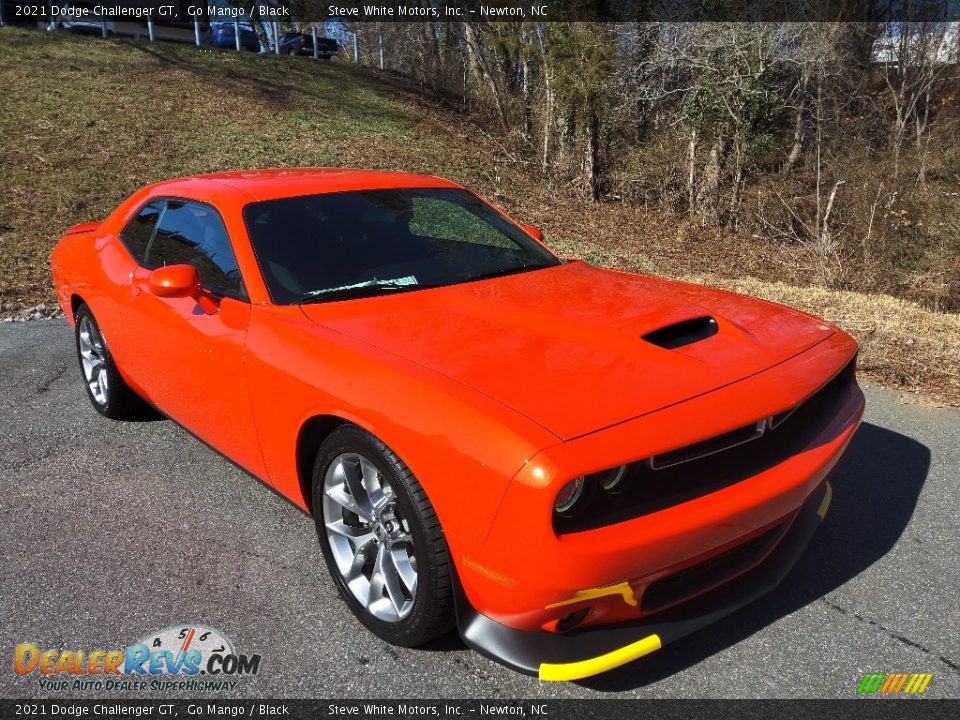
{"x":686,"y":332}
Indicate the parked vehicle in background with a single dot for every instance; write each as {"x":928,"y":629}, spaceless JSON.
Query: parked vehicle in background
{"x":87,"y":27}
{"x":177,"y":30}
{"x":302,"y":44}
{"x":224,"y":35}
{"x":291,"y":43}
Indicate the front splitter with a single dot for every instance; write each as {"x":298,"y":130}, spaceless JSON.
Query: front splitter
{"x":593,"y":650}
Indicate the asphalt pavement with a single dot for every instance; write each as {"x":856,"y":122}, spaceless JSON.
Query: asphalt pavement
{"x":112,"y":530}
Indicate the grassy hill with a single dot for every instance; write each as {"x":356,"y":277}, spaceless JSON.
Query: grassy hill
{"x":84,"y":122}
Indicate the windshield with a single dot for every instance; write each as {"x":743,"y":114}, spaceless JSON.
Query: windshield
{"x":334,"y":246}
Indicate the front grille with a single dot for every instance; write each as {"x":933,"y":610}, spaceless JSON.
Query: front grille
{"x":720,"y":568}
{"x":695,"y":470}
{"x":709,"y":447}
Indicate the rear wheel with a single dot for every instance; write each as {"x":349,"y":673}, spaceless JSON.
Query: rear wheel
{"x":107,"y":391}
{"x":381,"y":539}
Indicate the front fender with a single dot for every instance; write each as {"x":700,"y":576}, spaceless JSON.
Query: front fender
{"x":463,"y":447}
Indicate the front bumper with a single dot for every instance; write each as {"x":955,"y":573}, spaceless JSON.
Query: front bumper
{"x":529,"y":577}
{"x":596,"y":649}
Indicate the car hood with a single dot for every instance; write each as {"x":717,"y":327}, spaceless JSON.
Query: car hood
{"x":565,"y":346}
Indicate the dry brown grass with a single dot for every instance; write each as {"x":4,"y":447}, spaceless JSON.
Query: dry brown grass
{"x":85,"y":122}
{"x":902,"y":344}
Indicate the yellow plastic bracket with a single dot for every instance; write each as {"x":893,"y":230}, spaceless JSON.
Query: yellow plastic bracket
{"x":622,"y":589}
{"x":601,"y":663}
{"x":825,"y":503}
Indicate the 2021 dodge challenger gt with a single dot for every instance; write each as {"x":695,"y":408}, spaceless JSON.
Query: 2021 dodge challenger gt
{"x":574,"y":465}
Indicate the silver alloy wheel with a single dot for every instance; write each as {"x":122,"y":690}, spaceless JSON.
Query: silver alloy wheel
{"x":370,"y":540}
{"x":93,"y":360}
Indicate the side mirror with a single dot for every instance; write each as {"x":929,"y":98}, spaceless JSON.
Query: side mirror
{"x":174,"y":281}
{"x":534,"y":232}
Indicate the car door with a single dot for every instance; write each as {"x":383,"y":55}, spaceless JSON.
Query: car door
{"x":190,"y":361}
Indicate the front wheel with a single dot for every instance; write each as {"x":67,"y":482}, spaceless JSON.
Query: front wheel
{"x":106,"y":389}
{"x":381,"y":539}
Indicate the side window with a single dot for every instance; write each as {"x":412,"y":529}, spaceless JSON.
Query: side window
{"x":138,"y":232}
{"x":193,"y":234}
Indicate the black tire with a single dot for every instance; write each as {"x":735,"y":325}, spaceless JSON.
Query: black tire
{"x":432,"y":613}
{"x":120,"y":401}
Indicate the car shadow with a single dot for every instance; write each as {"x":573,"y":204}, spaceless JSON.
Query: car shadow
{"x":144,"y":414}
{"x":875,"y":489}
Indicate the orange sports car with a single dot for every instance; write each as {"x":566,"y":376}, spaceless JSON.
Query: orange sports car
{"x":571,"y":464}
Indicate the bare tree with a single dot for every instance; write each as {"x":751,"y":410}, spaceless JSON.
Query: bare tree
{"x":914,"y":58}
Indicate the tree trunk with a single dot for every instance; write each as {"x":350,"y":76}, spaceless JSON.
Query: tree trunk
{"x":692,"y":172}
{"x":547,"y":125}
{"x":738,"y":160}
{"x":708,"y":194}
{"x":527,"y":97}
{"x":921,"y":126}
{"x":548,"y":102}
{"x":826,"y":247}
{"x":592,"y":132}
{"x":482,"y":73}
{"x":798,"y":126}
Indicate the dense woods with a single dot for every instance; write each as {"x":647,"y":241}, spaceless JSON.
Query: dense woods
{"x":828,"y":150}
{"x":832,"y":147}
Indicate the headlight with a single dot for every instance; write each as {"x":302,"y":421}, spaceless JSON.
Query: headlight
{"x":612,"y":480}
{"x":578,"y":492}
{"x":569,"y":495}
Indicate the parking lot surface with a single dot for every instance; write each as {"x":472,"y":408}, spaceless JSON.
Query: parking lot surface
{"x":112,"y":531}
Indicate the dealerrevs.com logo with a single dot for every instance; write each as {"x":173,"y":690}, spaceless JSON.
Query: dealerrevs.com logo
{"x":198,"y":658}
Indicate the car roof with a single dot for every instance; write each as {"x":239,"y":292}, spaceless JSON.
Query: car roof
{"x":272,"y":184}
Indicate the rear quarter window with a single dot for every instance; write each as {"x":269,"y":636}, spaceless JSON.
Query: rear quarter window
{"x":137,"y":234}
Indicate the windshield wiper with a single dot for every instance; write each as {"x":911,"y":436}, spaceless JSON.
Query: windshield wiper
{"x":371,"y":288}
{"x":368,"y":288}
{"x":507,"y":271}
